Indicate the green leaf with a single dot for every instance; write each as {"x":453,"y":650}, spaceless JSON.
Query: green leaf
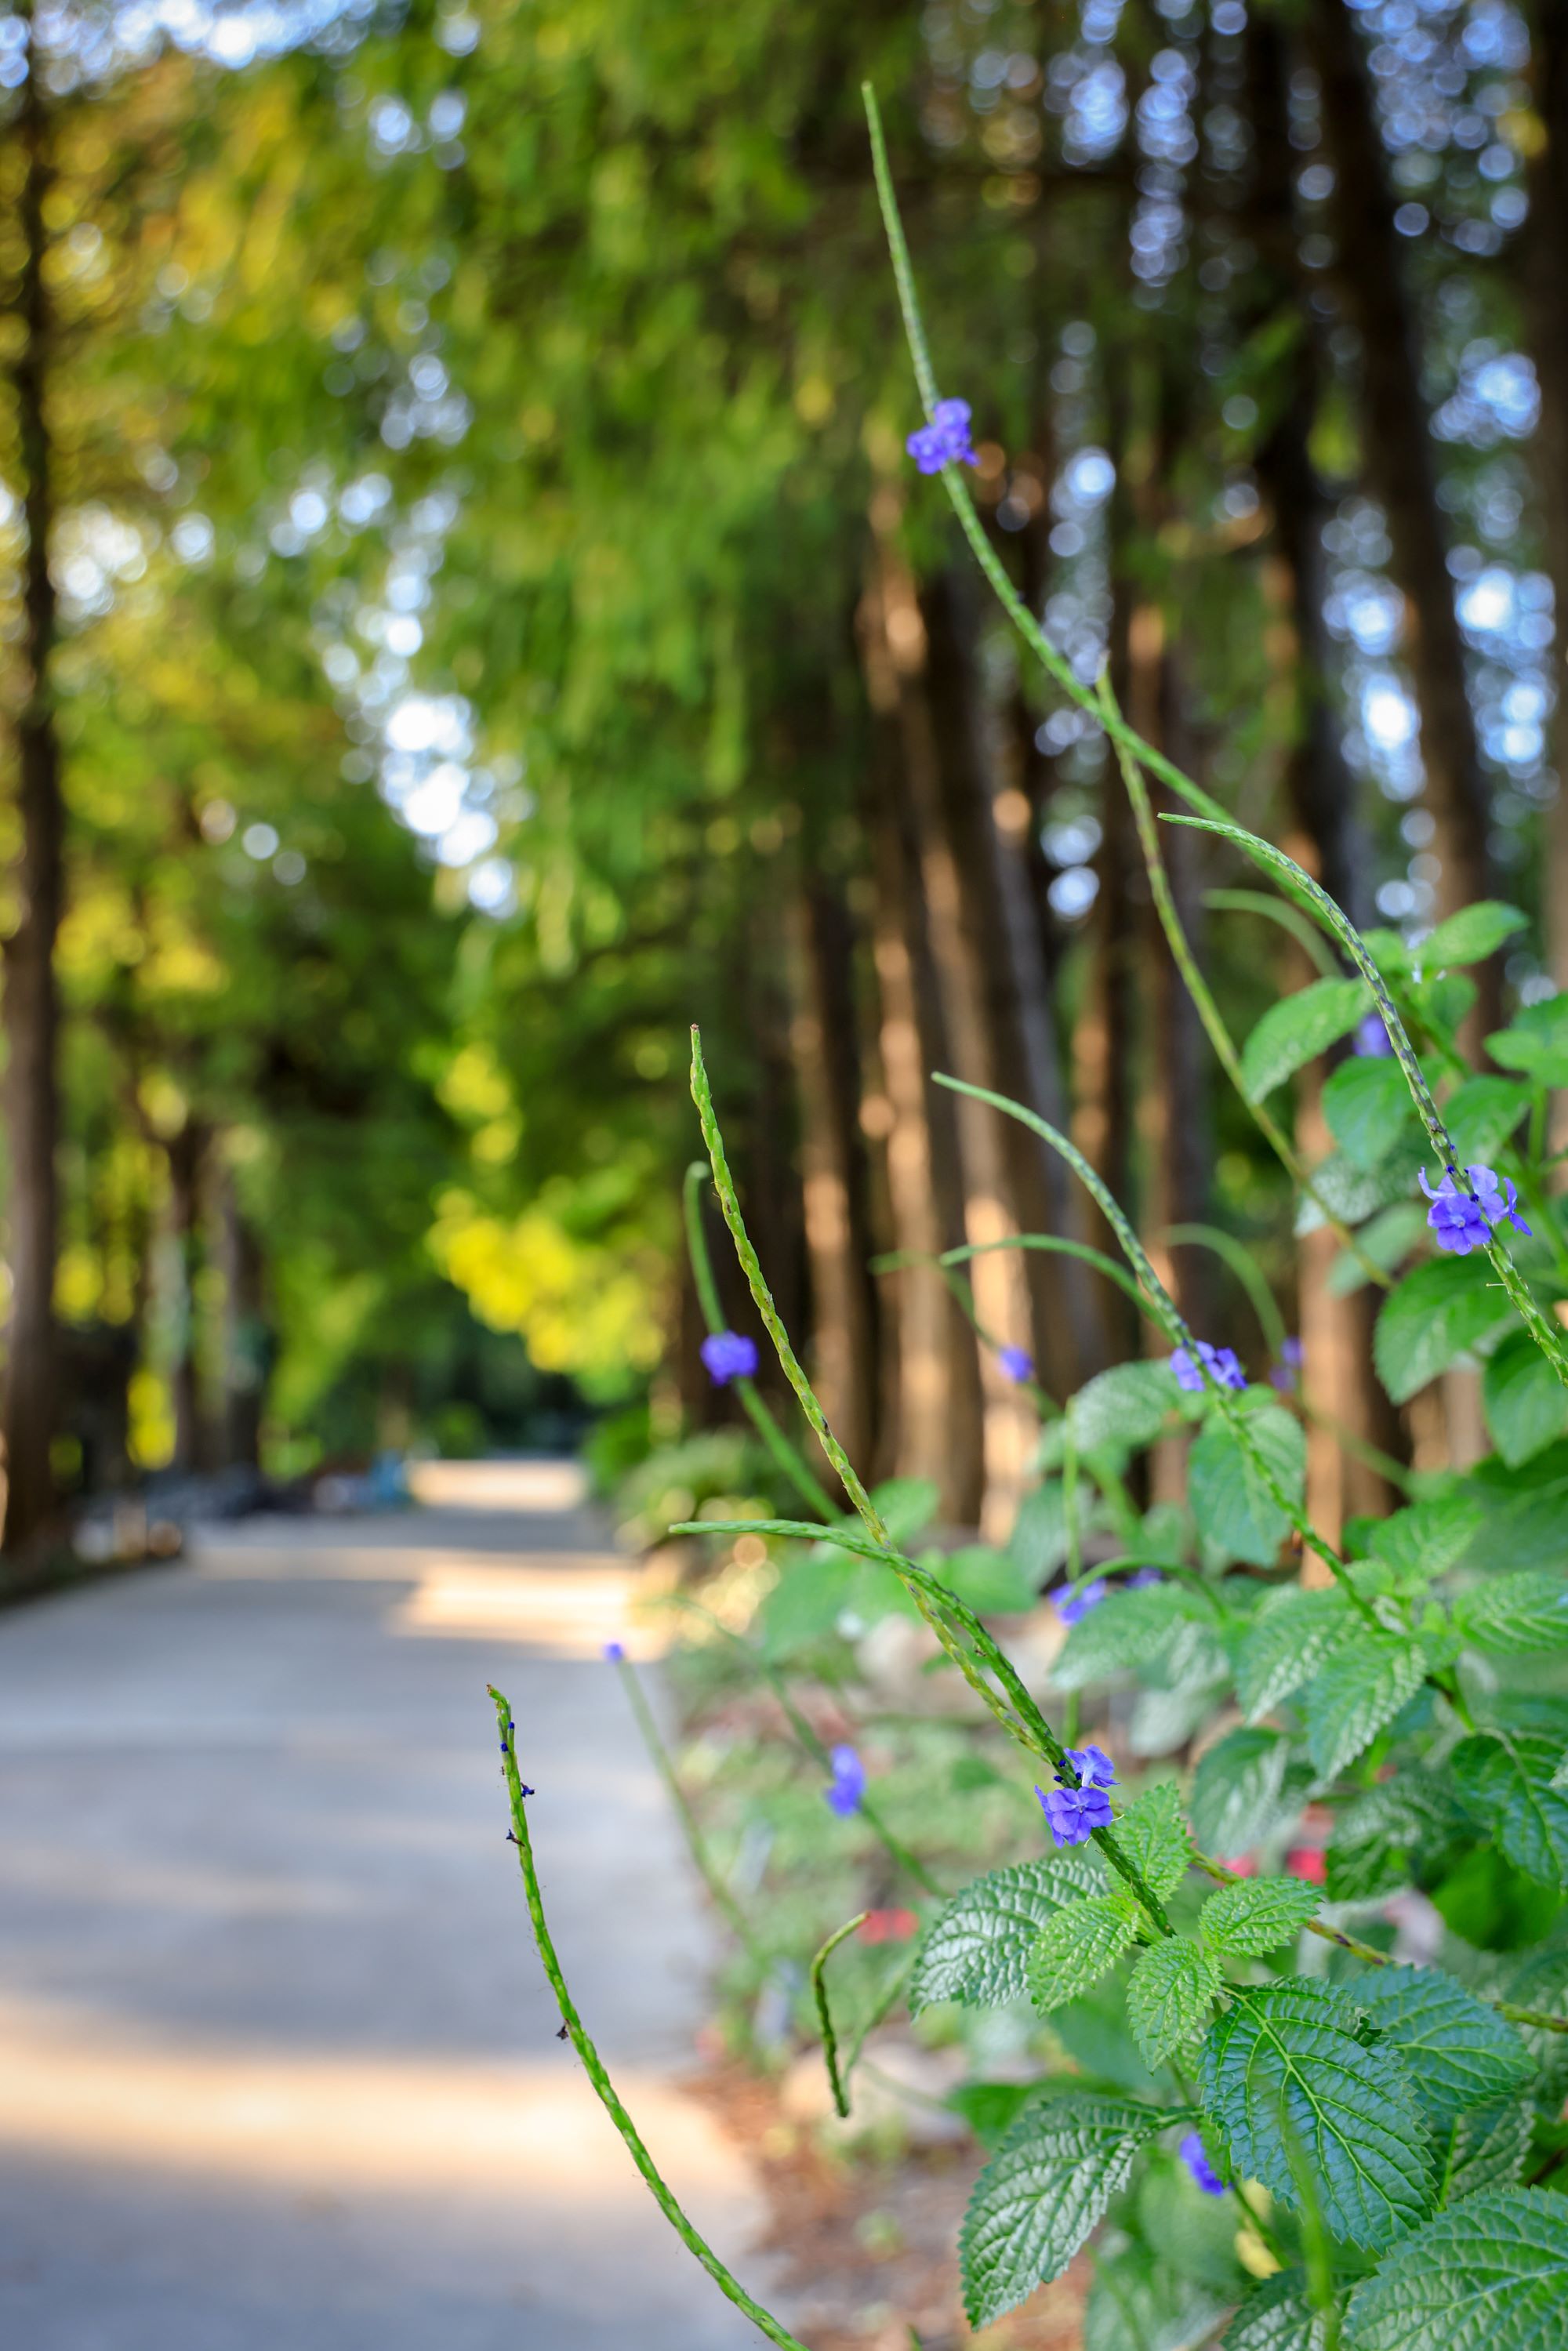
{"x":1504,"y":1782}
{"x":1376,"y":1840}
{"x":1481,"y":1114}
{"x":1277,"y":2315}
{"x":1485,"y":2147}
{"x":1459,"y":2052}
{"x":1169,"y":1995}
{"x":807,"y":1602}
{"x":1249,"y":1920}
{"x":1138,"y":2301}
{"x":1358,"y":1690}
{"x":1492,"y":2275}
{"x":1124,"y":1630}
{"x":1289,"y":1642}
{"x":1536,"y":1041}
{"x":1236,"y":1791}
{"x":1526,"y":1403}
{"x":976,"y":1948}
{"x":1237,"y":1516}
{"x":1427,"y":1537}
{"x":1038,"y":1543}
{"x":1438,"y":1312}
{"x":1353,"y":1194}
{"x":987,"y":1580}
{"x":908,"y":1506}
{"x":1073,"y":1949}
{"x":1515,"y":1615}
{"x":1367,"y":1103}
{"x":1042,"y":2192}
{"x":1124,"y":1406}
{"x":1304,"y":2106}
{"x":1297,"y":1029}
{"x":1471,"y":935}
{"x":1194,"y":2235}
{"x":1156,"y":1838}
{"x":1387,"y":1240}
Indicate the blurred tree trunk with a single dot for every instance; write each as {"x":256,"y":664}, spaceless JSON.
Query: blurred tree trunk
{"x":187,"y":1157}
{"x":1545,"y":259}
{"x":31,"y":1005}
{"x":1338,"y":1382}
{"x":822,"y":1039}
{"x":940,"y":1416}
{"x":247,"y":1339}
{"x":1401,"y":468}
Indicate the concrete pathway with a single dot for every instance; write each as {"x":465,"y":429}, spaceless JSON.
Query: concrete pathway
{"x":277,"y":2064}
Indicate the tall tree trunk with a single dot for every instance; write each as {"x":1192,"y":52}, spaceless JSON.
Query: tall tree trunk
{"x":1546,"y":257}
{"x":247,"y":1339}
{"x":822,"y":1036}
{"x":186,"y":1154}
{"x":31,"y":1007}
{"x":1401,"y":465}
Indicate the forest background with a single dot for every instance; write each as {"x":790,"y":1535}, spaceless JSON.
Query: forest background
{"x":466,"y":612}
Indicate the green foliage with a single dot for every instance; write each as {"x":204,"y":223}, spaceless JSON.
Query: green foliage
{"x":1042,"y":2192}
{"x":1123,"y":1407}
{"x":1491,"y":2275}
{"x":1171,"y":1994}
{"x":1436,"y":1314}
{"x":1074,"y":1948}
{"x":1259,"y":1916}
{"x":1227,"y":1487}
{"x":978,"y":1948}
{"x":1297,"y":1029}
{"x":1366,"y":1102}
{"x":1515,"y":1615}
{"x":1471,"y":935}
{"x":1356,"y":1694}
{"x":1504,"y":1781}
{"x":1237,"y":1791}
{"x":1526,"y":1403}
{"x":1277,"y":2315}
{"x":1327,"y":2122}
{"x":1459,"y":2052}
{"x":1294,"y":1634}
{"x":1154,"y":1835}
{"x":1125,"y":1630}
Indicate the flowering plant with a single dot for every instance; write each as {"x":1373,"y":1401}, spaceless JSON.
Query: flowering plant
{"x":1291,"y":2130}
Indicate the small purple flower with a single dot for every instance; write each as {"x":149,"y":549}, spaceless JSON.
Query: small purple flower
{"x":1372,"y":1041}
{"x":1094,"y":1766}
{"x":1286,"y":1373}
{"x":729,"y":1355}
{"x":1194,"y":2155}
{"x":1461,"y":1221}
{"x":946,"y":440}
{"x":1076,"y":1603}
{"x":613,"y":1653}
{"x":847,"y":1786}
{"x":1015,"y":1364}
{"x":1144,"y":1577}
{"x":1220,"y":1362}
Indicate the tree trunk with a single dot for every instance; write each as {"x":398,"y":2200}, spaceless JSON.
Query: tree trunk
{"x":822,"y":1041}
{"x":31,"y":1007}
{"x":247,"y":1339}
{"x":186,"y":1154}
{"x":1401,"y":466}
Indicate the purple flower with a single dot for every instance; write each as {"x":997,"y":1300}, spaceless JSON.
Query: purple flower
{"x":729,"y":1355}
{"x":1286,"y":1373}
{"x":1144,"y":1577}
{"x":1461,"y":1221}
{"x":1094,"y":1766}
{"x":1372,"y":1041}
{"x":946,"y":440}
{"x":1077,"y":1602}
{"x":847,"y":1786}
{"x":613,"y":1653}
{"x":1220,"y":1362}
{"x":1015,"y":1364}
{"x":1194,"y":2155}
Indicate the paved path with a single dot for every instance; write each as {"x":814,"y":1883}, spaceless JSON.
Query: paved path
{"x":278,"y":2066}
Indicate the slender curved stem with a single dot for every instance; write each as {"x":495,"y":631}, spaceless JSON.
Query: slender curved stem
{"x":594,"y":2067}
{"x":756,"y":1410}
{"x":1229,"y":1250}
{"x":824,"y":2014}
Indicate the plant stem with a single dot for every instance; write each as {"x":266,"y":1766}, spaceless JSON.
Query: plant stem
{"x":695,"y":1844}
{"x":824,"y":2014}
{"x":593,"y":2064}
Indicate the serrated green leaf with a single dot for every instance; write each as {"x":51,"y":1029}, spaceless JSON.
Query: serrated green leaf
{"x":1481,"y":1114}
{"x":1124,"y":1406}
{"x":1440,"y":1311}
{"x":1124,"y":1630}
{"x":1376,"y":1838}
{"x":1359,"y":1690}
{"x":976,"y":1948}
{"x":1459,"y":2052}
{"x":1291,"y":1639}
{"x":1042,"y":2192}
{"x":1138,"y":2302}
{"x":1074,"y":1948}
{"x":1236,"y":1791}
{"x":1154,"y":1837}
{"x":1515,"y":1615}
{"x":1277,"y":2315}
{"x":1249,"y":1920}
{"x":1471,"y":935}
{"x":1491,"y":2274}
{"x":1366,"y":1103}
{"x":1426,"y":1538}
{"x":1526,"y":1403}
{"x":1304,"y":2106}
{"x":1352,"y":1193}
{"x":1236,"y":1514}
{"x":1297,"y":1029}
{"x":1505,"y":1783}
{"x":1535,"y":1042}
{"x":1485,"y":2147}
{"x":1169,"y":1995}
